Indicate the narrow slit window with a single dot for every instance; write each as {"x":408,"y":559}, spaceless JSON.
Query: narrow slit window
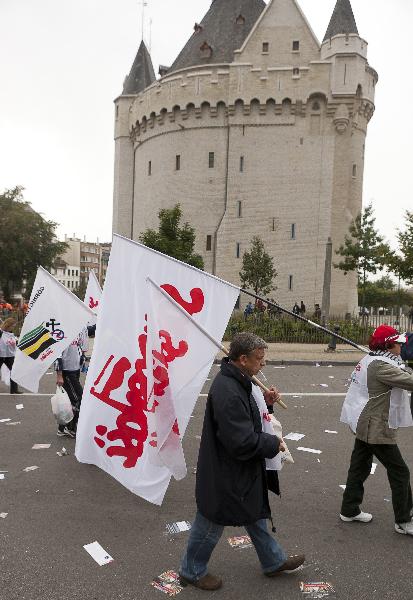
{"x":239,"y":210}
{"x":211,"y":160}
{"x":241,"y":164}
{"x":238,"y":250}
{"x":209,"y":242}
{"x":354,"y":170}
{"x":274,"y":224}
{"x":150,"y":167}
{"x":265,"y":47}
{"x":178,"y":162}
{"x":293,"y":231}
{"x":290,"y":282}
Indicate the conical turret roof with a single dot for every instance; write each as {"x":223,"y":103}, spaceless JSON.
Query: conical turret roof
{"x":222,"y":31}
{"x":342,"y":21}
{"x":142,"y":73}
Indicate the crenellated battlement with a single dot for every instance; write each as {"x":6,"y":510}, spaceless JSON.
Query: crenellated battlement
{"x":268,"y":92}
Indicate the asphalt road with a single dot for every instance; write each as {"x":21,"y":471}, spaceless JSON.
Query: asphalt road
{"x":55,"y":510}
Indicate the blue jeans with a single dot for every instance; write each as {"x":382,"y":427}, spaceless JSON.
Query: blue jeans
{"x":205,"y":535}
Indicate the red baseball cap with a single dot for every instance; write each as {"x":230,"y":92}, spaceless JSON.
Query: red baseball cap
{"x":386,"y":334}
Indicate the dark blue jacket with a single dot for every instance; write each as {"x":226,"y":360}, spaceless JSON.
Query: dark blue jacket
{"x":231,"y":481}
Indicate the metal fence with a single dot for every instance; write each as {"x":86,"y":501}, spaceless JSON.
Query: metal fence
{"x":283,"y":328}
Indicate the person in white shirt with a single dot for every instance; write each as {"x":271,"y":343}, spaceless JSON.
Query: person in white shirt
{"x":67,"y":369}
{"x":8,"y":343}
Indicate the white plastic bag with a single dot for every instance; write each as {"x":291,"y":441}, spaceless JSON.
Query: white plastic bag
{"x":5,"y":374}
{"x":61,"y":406}
{"x":285,"y":457}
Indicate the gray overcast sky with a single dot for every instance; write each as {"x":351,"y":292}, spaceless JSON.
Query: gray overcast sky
{"x":63,"y":63}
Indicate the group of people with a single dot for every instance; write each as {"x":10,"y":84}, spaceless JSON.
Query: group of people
{"x":235,"y":472}
{"x":233,"y":477}
{"x":68,"y":368}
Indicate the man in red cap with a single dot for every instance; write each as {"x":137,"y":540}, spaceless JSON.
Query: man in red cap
{"x":376,"y":405}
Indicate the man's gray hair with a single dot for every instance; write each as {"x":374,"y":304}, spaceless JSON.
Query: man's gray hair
{"x":245,"y":343}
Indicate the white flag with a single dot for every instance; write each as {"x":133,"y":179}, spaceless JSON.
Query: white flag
{"x":117,"y":424}
{"x":178,"y":374}
{"x":93,"y":295}
{"x":53,"y":320}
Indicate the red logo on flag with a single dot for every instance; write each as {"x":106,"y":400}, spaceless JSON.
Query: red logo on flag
{"x":132,"y":423}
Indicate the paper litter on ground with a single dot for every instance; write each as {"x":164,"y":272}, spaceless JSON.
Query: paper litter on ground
{"x":329,"y":366}
{"x":240,"y":541}
{"x":328,"y":431}
{"x":317,"y":589}
{"x":297,"y":396}
{"x":311,"y":450}
{"x":98,"y":553}
{"x":178,"y":527}
{"x":317,"y":365}
{"x":63,"y":452}
{"x":1,"y":475}
{"x":295,"y":437}
{"x":323,"y":384}
{"x":373,"y":468}
{"x":41,"y":446}
{"x":3,"y":515}
{"x":19,"y":406}
{"x":4,"y":420}
{"x":33,"y":468}
{"x":331,"y":376}
{"x":279,"y":367}
{"x":343,"y":487}
{"x":14,"y":423}
{"x":168,"y":583}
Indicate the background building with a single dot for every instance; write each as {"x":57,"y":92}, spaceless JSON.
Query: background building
{"x":256,"y":129}
{"x":73,"y":267}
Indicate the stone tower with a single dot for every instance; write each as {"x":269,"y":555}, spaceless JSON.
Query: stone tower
{"x":256,"y":129}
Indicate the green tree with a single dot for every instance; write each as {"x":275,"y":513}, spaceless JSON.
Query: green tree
{"x":258,"y":271}
{"x":172,"y":239}
{"x":405,"y":239}
{"x":364,"y":250}
{"x":80,"y":291}
{"x":27,"y":241}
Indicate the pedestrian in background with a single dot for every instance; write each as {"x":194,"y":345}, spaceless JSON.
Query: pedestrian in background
{"x":375,"y":407}
{"x":67,"y":369}
{"x":8,"y":342}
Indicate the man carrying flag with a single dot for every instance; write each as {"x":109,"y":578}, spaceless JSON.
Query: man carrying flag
{"x":231,"y":480}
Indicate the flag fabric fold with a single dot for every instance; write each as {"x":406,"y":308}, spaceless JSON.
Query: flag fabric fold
{"x":170,"y":387}
{"x":148,"y":366}
{"x":54,"y":318}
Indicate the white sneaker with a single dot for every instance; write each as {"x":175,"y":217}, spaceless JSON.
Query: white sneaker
{"x":361,"y":517}
{"x":404,"y":528}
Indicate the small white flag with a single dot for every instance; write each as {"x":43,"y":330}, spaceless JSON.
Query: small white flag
{"x":54,"y":319}
{"x":93,"y":295}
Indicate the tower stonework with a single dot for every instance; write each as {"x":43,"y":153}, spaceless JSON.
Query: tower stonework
{"x":256,"y":129}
